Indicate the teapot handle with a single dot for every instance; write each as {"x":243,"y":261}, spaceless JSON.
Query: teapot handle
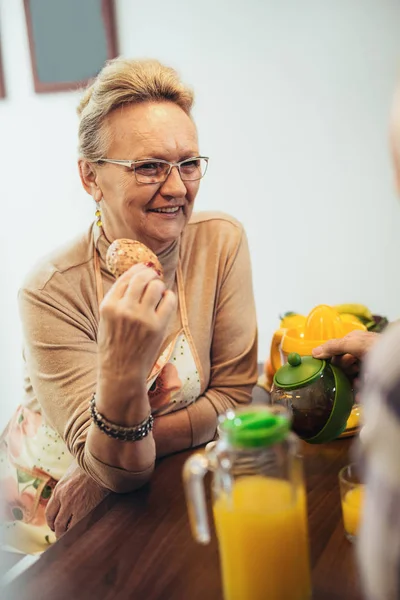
{"x":194,"y":470}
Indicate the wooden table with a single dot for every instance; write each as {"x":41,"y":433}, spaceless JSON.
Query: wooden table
{"x":139,"y":546}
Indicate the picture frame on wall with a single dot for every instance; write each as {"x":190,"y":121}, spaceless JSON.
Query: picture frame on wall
{"x":69,"y":41}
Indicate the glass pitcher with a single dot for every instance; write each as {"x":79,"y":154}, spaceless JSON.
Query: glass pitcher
{"x":259,"y":505}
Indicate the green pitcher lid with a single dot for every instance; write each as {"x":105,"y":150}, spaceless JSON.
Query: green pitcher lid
{"x":255,"y":428}
{"x":299,"y":371}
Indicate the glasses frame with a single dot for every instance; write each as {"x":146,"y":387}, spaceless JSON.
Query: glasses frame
{"x":132,"y":164}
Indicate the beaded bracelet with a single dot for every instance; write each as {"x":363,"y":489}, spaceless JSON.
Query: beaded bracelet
{"x":119,"y":432}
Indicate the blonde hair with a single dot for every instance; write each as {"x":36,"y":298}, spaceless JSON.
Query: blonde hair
{"x":120,"y":82}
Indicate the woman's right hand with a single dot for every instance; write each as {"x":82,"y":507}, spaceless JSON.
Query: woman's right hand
{"x":134,"y":316}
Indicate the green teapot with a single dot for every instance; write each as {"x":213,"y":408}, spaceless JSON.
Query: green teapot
{"x":317,"y":394}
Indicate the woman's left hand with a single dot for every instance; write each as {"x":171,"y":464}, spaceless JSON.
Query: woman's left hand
{"x":74,"y":496}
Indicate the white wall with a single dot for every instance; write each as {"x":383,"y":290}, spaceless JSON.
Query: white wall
{"x":292,"y":105}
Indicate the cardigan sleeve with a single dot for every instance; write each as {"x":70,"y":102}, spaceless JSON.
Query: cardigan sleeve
{"x":60,"y":349}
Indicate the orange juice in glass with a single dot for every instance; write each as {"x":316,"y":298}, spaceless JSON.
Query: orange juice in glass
{"x":352,"y":497}
{"x":259,"y":506}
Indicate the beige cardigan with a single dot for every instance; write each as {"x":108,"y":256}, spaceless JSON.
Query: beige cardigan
{"x":60,"y":317}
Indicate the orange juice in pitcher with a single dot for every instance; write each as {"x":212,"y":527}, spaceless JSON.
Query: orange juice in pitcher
{"x":259,"y":506}
{"x":262,"y":538}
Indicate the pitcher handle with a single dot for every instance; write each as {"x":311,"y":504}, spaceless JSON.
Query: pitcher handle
{"x":275,"y":349}
{"x":194,"y":470}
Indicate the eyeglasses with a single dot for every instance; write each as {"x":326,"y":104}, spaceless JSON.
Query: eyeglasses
{"x":157,"y":170}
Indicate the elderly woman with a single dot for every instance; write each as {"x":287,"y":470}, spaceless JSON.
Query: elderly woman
{"x":156,"y":360}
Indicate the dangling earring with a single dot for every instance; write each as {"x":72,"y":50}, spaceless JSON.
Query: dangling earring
{"x":98,"y":217}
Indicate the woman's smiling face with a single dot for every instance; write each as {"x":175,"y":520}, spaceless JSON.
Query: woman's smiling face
{"x":139,"y":210}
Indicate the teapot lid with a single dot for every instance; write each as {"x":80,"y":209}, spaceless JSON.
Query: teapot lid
{"x":299,"y":371}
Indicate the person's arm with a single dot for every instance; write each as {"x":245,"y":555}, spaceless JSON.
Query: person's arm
{"x":68,"y":359}
{"x":379,"y":538}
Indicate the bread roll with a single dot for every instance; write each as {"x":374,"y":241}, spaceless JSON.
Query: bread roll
{"x":123,"y":254}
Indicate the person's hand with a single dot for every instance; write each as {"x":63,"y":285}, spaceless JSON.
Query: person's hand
{"x":347,"y":351}
{"x":74,"y":496}
{"x":133,"y":320}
